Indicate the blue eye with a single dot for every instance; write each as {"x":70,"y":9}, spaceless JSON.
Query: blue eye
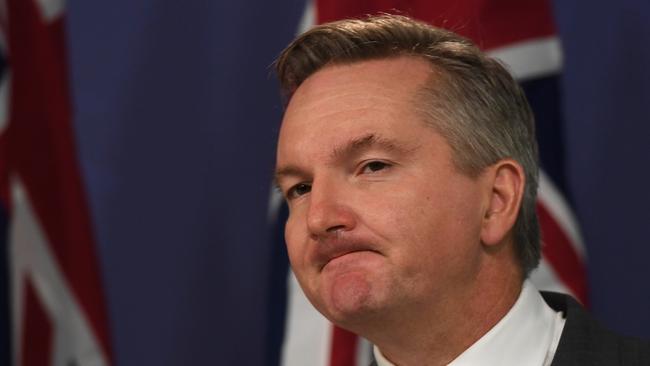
{"x":298,"y":190}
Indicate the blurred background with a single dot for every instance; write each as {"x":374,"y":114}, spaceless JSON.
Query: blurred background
{"x":172,"y":119}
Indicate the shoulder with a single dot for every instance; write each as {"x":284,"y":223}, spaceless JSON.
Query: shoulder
{"x":585,"y":341}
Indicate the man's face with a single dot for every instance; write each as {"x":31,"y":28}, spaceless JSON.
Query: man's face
{"x":381,"y":223}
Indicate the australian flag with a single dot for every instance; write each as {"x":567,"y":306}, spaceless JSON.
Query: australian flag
{"x":136,"y":149}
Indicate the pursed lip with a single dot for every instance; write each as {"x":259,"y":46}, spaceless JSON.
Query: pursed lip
{"x":327,"y":252}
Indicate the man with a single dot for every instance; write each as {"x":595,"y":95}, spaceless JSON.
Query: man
{"x":409,"y":164}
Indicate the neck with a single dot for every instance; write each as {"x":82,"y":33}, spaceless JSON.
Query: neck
{"x":437,"y":334}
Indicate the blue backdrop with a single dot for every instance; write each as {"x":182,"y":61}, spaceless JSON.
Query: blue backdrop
{"x":607,"y":96}
{"x":176,"y":113}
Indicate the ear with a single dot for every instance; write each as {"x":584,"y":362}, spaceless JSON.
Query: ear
{"x":507,"y":180}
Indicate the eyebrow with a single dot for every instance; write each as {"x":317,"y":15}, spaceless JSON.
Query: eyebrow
{"x":363,"y":143}
{"x":353,"y":147}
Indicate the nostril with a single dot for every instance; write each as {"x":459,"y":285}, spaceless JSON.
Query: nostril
{"x":328,"y":217}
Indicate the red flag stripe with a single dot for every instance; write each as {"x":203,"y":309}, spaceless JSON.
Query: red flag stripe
{"x":490,"y":23}
{"x":37,"y":339}
{"x":561,"y":255}
{"x":344,"y":347}
{"x":47,"y":164}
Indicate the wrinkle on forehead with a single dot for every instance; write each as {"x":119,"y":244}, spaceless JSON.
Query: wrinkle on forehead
{"x":334,"y":81}
{"x":365,"y":142}
{"x":346,"y":101}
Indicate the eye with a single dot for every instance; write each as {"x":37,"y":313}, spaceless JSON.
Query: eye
{"x":374,"y":166}
{"x":298,"y":190}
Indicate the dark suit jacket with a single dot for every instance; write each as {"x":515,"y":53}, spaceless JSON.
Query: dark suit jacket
{"x":585,"y":342}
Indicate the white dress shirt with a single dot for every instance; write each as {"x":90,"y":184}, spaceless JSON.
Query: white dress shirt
{"x":527,"y":335}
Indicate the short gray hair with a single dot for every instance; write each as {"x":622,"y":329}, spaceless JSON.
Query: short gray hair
{"x":472,"y":101}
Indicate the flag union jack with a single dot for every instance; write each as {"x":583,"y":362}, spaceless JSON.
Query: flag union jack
{"x":56,"y":302}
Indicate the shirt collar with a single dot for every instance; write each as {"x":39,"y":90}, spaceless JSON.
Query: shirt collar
{"x":524,"y":336}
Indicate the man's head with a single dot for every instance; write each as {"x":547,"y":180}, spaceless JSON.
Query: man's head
{"x":404,"y":153}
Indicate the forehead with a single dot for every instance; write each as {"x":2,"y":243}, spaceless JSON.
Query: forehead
{"x":397,"y":78}
{"x":340,"y":101}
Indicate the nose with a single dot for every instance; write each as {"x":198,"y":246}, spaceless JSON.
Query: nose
{"x":329,"y":211}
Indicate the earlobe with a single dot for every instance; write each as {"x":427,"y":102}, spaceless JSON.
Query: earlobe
{"x":507,"y":180}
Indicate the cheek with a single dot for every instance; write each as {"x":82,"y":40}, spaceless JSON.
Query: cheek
{"x":406,"y":224}
{"x":431,"y":229}
{"x":294,"y":241}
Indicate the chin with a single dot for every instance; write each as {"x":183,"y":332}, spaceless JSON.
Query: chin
{"x":350,"y":299}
